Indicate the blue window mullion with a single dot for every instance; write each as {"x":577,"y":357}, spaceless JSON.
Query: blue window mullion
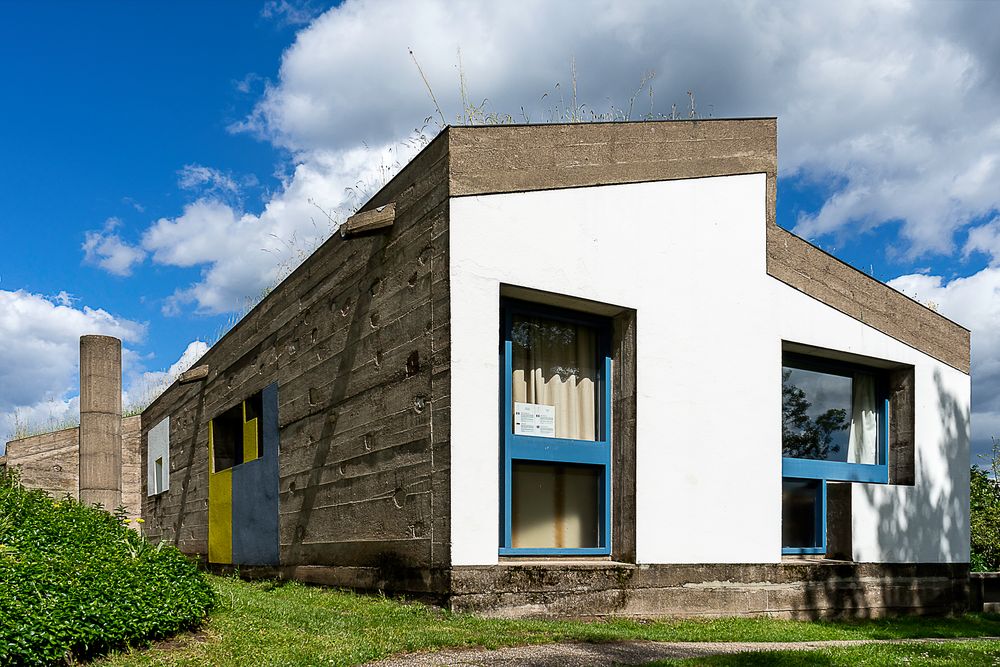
{"x":556,"y":450}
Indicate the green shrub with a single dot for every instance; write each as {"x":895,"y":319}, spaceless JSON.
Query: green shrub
{"x":75,"y":581}
{"x":984,"y":505}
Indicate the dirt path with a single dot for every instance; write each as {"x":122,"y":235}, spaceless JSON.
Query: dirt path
{"x":578,"y":654}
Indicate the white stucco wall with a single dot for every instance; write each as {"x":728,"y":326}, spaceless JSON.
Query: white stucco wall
{"x":689,"y":257}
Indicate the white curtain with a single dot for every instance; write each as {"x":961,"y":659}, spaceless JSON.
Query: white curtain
{"x":863,"y":444}
{"x":554,"y":506}
{"x":554,"y":363}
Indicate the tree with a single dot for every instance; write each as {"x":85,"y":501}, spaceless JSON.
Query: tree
{"x":801,"y":436}
{"x":984,"y":506}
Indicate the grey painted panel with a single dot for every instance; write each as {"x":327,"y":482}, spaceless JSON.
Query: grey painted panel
{"x":255,"y":495}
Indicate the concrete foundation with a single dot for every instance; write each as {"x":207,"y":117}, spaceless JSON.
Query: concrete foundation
{"x":800,"y":589}
{"x":100,"y":421}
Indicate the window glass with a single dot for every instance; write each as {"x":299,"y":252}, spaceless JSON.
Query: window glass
{"x":554,"y":378}
{"x":227,"y":438}
{"x":828,"y":416}
{"x":554,"y":505}
{"x":158,"y":475}
{"x":253,"y":428}
{"x":800,"y":508}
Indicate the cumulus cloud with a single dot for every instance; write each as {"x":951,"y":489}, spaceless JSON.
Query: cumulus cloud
{"x":243,"y":253}
{"x":143,"y":387}
{"x":40,"y":354}
{"x":890,"y":106}
{"x":107,"y":250}
{"x":984,"y":238}
{"x":855,"y":109}
{"x":973,"y":301}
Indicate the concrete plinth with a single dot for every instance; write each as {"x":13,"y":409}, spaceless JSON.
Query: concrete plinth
{"x":100,"y":420}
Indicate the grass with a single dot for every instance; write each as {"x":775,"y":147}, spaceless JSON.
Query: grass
{"x":267,"y":623}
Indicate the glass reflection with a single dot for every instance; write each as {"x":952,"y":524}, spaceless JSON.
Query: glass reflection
{"x":799,"y":507}
{"x":828,"y":416}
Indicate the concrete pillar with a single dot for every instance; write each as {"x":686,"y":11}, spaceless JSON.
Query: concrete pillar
{"x":100,"y":421}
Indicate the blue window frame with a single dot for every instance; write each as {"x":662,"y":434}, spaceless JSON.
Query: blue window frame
{"x":822,"y":438}
{"x":552,"y":484}
{"x":803,"y":516}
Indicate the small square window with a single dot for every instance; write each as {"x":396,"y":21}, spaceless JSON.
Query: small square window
{"x":227,"y":439}
{"x":802,"y":511}
{"x":235,"y":436}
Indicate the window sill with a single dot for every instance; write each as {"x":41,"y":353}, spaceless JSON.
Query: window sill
{"x":559,"y":553}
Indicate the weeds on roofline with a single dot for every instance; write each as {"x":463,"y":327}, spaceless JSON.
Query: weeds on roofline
{"x":389,"y":163}
{"x":396,"y":155}
{"x":25,"y":427}
{"x":574,"y":111}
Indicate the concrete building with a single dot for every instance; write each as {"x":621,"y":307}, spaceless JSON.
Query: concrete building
{"x":98,"y":461}
{"x":579,"y":369}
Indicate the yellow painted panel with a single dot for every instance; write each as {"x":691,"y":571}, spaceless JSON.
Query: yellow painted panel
{"x":220,"y":517}
{"x":220,"y":509}
{"x":250,"y":445}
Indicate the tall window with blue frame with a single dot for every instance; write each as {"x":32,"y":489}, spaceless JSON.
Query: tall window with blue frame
{"x":834,"y":428}
{"x":555,"y":431}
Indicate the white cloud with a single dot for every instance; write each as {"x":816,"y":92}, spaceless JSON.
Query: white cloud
{"x":985,"y":238}
{"x":244,"y":253}
{"x":290,"y":12}
{"x":895,"y":100}
{"x":974,"y":302}
{"x":889,"y":104}
{"x":142,"y":387}
{"x":206,"y":179}
{"x":854,"y":107}
{"x":40,"y":354}
{"x":107,"y":250}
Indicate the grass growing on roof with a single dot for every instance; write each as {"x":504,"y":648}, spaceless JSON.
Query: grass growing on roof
{"x":293,"y":624}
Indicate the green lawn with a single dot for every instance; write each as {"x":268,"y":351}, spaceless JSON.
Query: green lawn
{"x":292,"y":624}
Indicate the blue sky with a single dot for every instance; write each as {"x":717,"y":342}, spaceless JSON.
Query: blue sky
{"x":105,"y":104}
{"x":165,"y":163}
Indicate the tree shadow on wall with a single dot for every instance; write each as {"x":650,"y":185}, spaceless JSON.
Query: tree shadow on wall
{"x":920,"y":530}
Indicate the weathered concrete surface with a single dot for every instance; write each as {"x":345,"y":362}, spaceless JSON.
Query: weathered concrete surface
{"x":100,"y":420}
{"x":49,"y":461}
{"x":131,"y":473}
{"x":984,"y":592}
{"x":810,"y":589}
{"x":357,"y":340}
{"x":580,"y":654}
{"x":559,"y":588}
{"x":837,"y":284}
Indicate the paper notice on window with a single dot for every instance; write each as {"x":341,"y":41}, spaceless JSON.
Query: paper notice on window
{"x":534,"y":419}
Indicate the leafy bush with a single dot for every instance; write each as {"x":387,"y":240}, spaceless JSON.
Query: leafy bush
{"x":75,"y":581}
{"x":984,"y":515}
{"x":984,"y":503}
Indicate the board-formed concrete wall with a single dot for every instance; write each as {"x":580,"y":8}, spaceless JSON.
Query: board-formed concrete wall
{"x":51,"y":462}
{"x":356,"y":339}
